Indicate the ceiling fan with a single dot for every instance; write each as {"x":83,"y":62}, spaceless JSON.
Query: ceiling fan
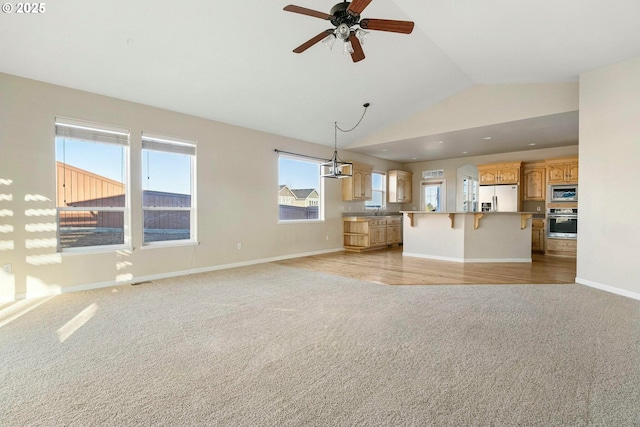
{"x":349,"y":28}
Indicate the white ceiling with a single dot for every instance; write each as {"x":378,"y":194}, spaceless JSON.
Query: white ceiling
{"x":233,"y":62}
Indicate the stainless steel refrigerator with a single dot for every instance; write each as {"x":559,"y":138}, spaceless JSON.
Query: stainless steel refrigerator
{"x":499,"y":198}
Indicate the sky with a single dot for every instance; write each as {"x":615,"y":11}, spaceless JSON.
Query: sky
{"x":298,"y":173}
{"x":168,"y":172}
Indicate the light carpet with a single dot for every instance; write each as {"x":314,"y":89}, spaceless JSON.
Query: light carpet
{"x":269,"y":345}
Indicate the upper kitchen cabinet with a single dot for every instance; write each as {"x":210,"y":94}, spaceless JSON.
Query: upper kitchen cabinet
{"x":400,"y":186}
{"x":562,"y":171}
{"x":358,"y":186}
{"x":534,"y":181}
{"x":499,"y":173}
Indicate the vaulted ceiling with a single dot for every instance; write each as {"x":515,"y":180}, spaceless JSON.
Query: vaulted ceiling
{"x":233,"y":62}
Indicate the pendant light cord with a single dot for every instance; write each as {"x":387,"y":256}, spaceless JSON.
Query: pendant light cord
{"x":338,"y":128}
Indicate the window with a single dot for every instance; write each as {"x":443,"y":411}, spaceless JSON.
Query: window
{"x":432,"y":196}
{"x":378,"y":191}
{"x":168,"y":203}
{"x":469,"y":194}
{"x":299,"y":189}
{"x":92,"y":191}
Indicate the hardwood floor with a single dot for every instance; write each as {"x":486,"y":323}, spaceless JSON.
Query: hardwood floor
{"x":388,"y":266}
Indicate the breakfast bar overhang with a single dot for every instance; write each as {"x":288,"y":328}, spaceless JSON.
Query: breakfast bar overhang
{"x":468,"y":236}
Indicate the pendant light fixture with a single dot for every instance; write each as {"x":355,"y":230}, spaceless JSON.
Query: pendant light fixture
{"x":335,"y":167}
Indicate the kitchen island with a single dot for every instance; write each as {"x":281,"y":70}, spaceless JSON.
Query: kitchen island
{"x":468,"y":236}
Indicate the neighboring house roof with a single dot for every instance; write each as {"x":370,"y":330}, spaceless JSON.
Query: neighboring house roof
{"x":304,"y":193}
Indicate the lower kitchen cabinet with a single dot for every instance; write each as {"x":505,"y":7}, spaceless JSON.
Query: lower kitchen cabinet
{"x":363,"y":233}
{"x":562,"y":247}
{"x":537,"y":235}
{"x":394,"y":231}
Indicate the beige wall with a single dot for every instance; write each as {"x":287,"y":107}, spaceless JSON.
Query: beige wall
{"x":237,"y":201}
{"x":609,"y":204}
{"x":482,"y":105}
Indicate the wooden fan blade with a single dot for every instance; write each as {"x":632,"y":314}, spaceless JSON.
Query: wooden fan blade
{"x":404,"y":27}
{"x":357,"y":6}
{"x":306,"y":45}
{"x":308,"y":12}
{"x":358,"y":53}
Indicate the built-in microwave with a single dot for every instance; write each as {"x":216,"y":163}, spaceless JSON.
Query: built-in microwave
{"x":563,"y":193}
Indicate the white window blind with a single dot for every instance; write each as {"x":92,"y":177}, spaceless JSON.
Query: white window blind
{"x":168,"y":144}
{"x":86,"y":131}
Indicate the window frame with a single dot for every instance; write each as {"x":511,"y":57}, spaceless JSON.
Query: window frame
{"x":442,"y":185}
{"x":321,"y":199}
{"x":383,"y":180}
{"x":74,"y":130}
{"x":158,"y":139}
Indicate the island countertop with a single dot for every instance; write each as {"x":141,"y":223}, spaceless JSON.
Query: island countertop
{"x":524,"y":216}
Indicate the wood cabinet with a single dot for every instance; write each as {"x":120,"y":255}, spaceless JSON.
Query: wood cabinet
{"x":377,"y":232}
{"x":562,"y":171}
{"x":534,"y":180}
{"x":500,"y":173}
{"x":358,"y":186}
{"x":400,"y":186}
{"x":561,"y":247}
{"x":537,"y":235}
{"x":394,"y":231}
{"x":364,"y":233}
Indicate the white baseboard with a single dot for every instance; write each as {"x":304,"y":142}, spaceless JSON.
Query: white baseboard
{"x":608,"y":288}
{"x":97,"y":285}
{"x":463,"y":260}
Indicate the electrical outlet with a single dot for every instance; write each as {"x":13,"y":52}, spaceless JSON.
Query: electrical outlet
{"x":6,"y":268}
{"x":538,"y":208}
{"x":239,"y":246}
{"x":327,"y":237}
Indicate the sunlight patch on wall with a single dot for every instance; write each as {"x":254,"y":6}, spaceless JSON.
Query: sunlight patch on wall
{"x":77,"y":322}
{"x":124,"y":277}
{"x":36,"y":198}
{"x":40,"y":212}
{"x":47,"y":259}
{"x":37,"y":288}
{"x":6,"y":228}
{"x":41,"y":243}
{"x":7,"y":286}
{"x":4,"y":181}
{"x":6,"y":197}
{"x":40,"y":227}
{"x":6,"y":212}
{"x":123,"y":264}
{"x":6,"y":245}
{"x":19,"y":308}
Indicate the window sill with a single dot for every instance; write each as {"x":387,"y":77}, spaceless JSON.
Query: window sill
{"x":302,"y":221}
{"x":169,"y":244}
{"x":95,"y":250}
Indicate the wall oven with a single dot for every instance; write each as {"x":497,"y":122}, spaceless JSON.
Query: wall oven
{"x":563,"y":193}
{"x":562,"y":223}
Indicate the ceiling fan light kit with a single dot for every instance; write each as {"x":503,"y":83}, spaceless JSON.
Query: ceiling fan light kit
{"x":345,"y":17}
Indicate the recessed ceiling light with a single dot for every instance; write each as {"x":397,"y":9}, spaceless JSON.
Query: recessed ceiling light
{"x":464,"y":152}
{"x":532,"y":144}
{"x":385,"y":150}
{"x":440,"y":142}
{"x":487,"y":137}
{"x":414,"y":158}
